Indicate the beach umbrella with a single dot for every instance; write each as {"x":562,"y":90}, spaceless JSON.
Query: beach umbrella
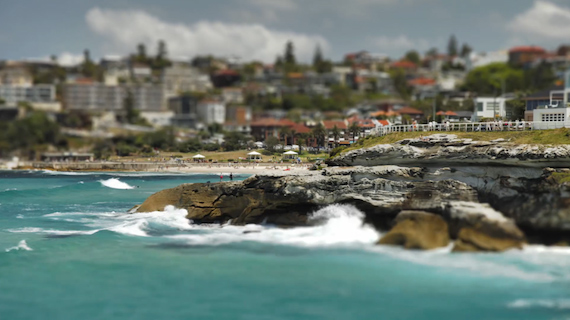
{"x":451,"y":113}
{"x":440,"y":113}
{"x":290,"y":153}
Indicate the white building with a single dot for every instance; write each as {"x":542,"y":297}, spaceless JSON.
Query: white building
{"x":158,"y":119}
{"x":41,"y":93}
{"x":232,"y":95}
{"x":180,"y":78}
{"x":100,"y":97}
{"x":492,"y":107}
{"x":210,"y":112}
{"x":557,"y":113}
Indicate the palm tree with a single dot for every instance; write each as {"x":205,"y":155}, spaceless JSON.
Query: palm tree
{"x":336,"y":135}
{"x":284,"y":132}
{"x":354,"y":129}
{"x":319,"y":133}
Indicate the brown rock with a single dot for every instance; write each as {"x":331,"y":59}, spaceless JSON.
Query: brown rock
{"x":418,"y":230}
{"x":479,"y":239}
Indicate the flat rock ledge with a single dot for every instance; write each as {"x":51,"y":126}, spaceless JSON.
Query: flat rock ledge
{"x":447,"y":149}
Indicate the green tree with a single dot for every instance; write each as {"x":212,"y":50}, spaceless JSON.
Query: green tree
{"x":290,"y":54}
{"x":317,"y":58}
{"x":319,"y":133}
{"x":487,"y":80}
{"x":452,"y":46}
{"x":354,"y":129}
{"x":412,"y":56}
{"x":401,"y":83}
{"x":234,"y":141}
{"x":88,"y":68}
{"x":465,"y":50}
{"x":433,"y":52}
{"x":131,"y":114}
{"x":161,"y":60}
{"x":284,"y":133}
{"x":271,"y":143}
{"x":141,"y":53}
{"x":336,"y":135}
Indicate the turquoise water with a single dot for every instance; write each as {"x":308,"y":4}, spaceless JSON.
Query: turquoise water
{"x":68,"y":250}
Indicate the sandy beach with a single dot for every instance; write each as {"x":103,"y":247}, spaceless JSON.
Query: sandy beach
{"x":279,"y":169}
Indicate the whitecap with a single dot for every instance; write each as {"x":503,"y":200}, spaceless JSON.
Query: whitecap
{"x":22,"y":245}
{"x":115,"y":183}
{"x":53,"y":231}
{"x":20,"y":216}
{"x":342,"y":226}
{"x":561,"y":304}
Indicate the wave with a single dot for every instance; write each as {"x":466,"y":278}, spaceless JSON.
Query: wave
{"x":561,"y":304}
{"x":22,"y":245}
{"x":53,"y":231}
{"x":341,"y":225}
{"x":115,"y":183}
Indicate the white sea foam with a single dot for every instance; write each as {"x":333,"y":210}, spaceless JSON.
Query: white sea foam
{"x":20,"y":216}
{"x":561,"y":304}
{"x":53,"y":231}
{"x":22,"y":245}
{"x":342,"y":225}
{"x":115,"y":183}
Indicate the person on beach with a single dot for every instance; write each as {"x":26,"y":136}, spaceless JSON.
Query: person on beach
{"x":221,"y":177}
{"x":231,"y":176}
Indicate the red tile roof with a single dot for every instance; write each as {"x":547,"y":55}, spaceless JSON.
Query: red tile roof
{"x":404,"y":64}
{"x":422,"y":82}
{"x":300,"y":128}
{"x":527,"y":49}
{"x":329,"y":124}
{"x":384,"y":122}
{"x":410,"y":110}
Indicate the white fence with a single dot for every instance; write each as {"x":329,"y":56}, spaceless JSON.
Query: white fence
{"x":472,"y":127}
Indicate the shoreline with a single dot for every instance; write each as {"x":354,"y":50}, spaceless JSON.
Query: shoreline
{"x":217,"y":169}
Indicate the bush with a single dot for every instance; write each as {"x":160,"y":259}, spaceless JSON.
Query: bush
{"x":336,"y":151}
{"x":212,"y":147}
{"x":267,"y":153}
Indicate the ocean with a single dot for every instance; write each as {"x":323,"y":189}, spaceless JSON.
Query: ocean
{"x":70,"y":250}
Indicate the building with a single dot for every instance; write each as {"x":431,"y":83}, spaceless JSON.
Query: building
{"x":158,"y":119}
{"x":525,"y":55}
{"x":342,"y":125}
{"x":41,"y":96}
{"x":538,"y":99}
{"x":180,"y":78}
{"x":232,"y":95}
{"x":551,"y":117}
{"x":140,"y":72}
{"x":185,"y":110}
{"x":211,"y":111}
{"x":492,"y":107}
{"x":15,"y":73}
{"x":238,"y":118}
{"x":101,"y":97}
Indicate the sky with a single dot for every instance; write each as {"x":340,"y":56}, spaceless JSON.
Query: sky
{"x":259,"y":29}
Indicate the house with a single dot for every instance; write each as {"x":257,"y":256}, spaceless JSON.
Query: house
{"x":492,"y":107}
{"x":551,"y":116}
{"x":185,"y":109}
{"x":211,"y":111}
{"x":525,"y":55}
{"x":342,"y":125}
{"x":263,"y":128}
{"x":225,"y":78}
{"x":140,"y":72}
{"x":101,"y":97}
{"x":180,"y":78}
{"x":407,"y":66}
{"x":238,"y":118}
{"x":541,"y":98}
{"x":158,"y":118}
{"x":15,"y":73}
{"x":408,"y":113}
{"x":232,"y":95}
{"x":364,"y":80}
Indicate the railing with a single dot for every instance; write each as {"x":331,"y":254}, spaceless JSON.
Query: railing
{"x":471,"y":127}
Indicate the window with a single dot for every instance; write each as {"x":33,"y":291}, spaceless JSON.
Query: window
{"x":479,"y":106}
{"x":493,"y":106}
{"x":553,"y":117}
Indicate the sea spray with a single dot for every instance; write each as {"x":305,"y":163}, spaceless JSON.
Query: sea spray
{"x":115,"y":183}
{"x":22,"y":245}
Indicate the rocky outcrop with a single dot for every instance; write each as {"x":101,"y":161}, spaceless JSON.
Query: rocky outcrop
{"x":391,"y":198}
{"x":418,"y":230}
{"x":444,"y":150}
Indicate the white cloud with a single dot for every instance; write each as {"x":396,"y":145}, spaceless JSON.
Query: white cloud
{"x":68,"y":59}
{"x":286,"y":5}
{"x":545,"y":22}
{"x":123,"y":30}
{"x":400,"y":44}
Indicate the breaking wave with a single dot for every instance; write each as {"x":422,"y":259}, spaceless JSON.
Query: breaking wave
{"x":115,"y":183}
{"x":22,"y":245}
{"x":561,"y":304}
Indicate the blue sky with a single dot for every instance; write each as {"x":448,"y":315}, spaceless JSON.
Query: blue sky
{"x":258,"y":29}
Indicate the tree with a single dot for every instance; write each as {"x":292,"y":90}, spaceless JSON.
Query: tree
{"x":452,"y":46}
{"x":488,"y":79}
{"x":354,"y":129}
{"x":141,"y":53}
{"x":465,"y":50}
{"x":412,"y":56}
{"x":270,"y":143}
{"x":290,"y":54}
{"x":401,"y":83}
{"x":284,"y":133}
{"x":319,"y":133}
{"x":129,"y":107}
{"x":319,"y":63}
{"x":88,"y":68}
{"x":433,"y":52}
{"x":278,"y":62}
{"x":336,"y":135}
{"x":161,"y":61}
{"x":234,"y":141}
